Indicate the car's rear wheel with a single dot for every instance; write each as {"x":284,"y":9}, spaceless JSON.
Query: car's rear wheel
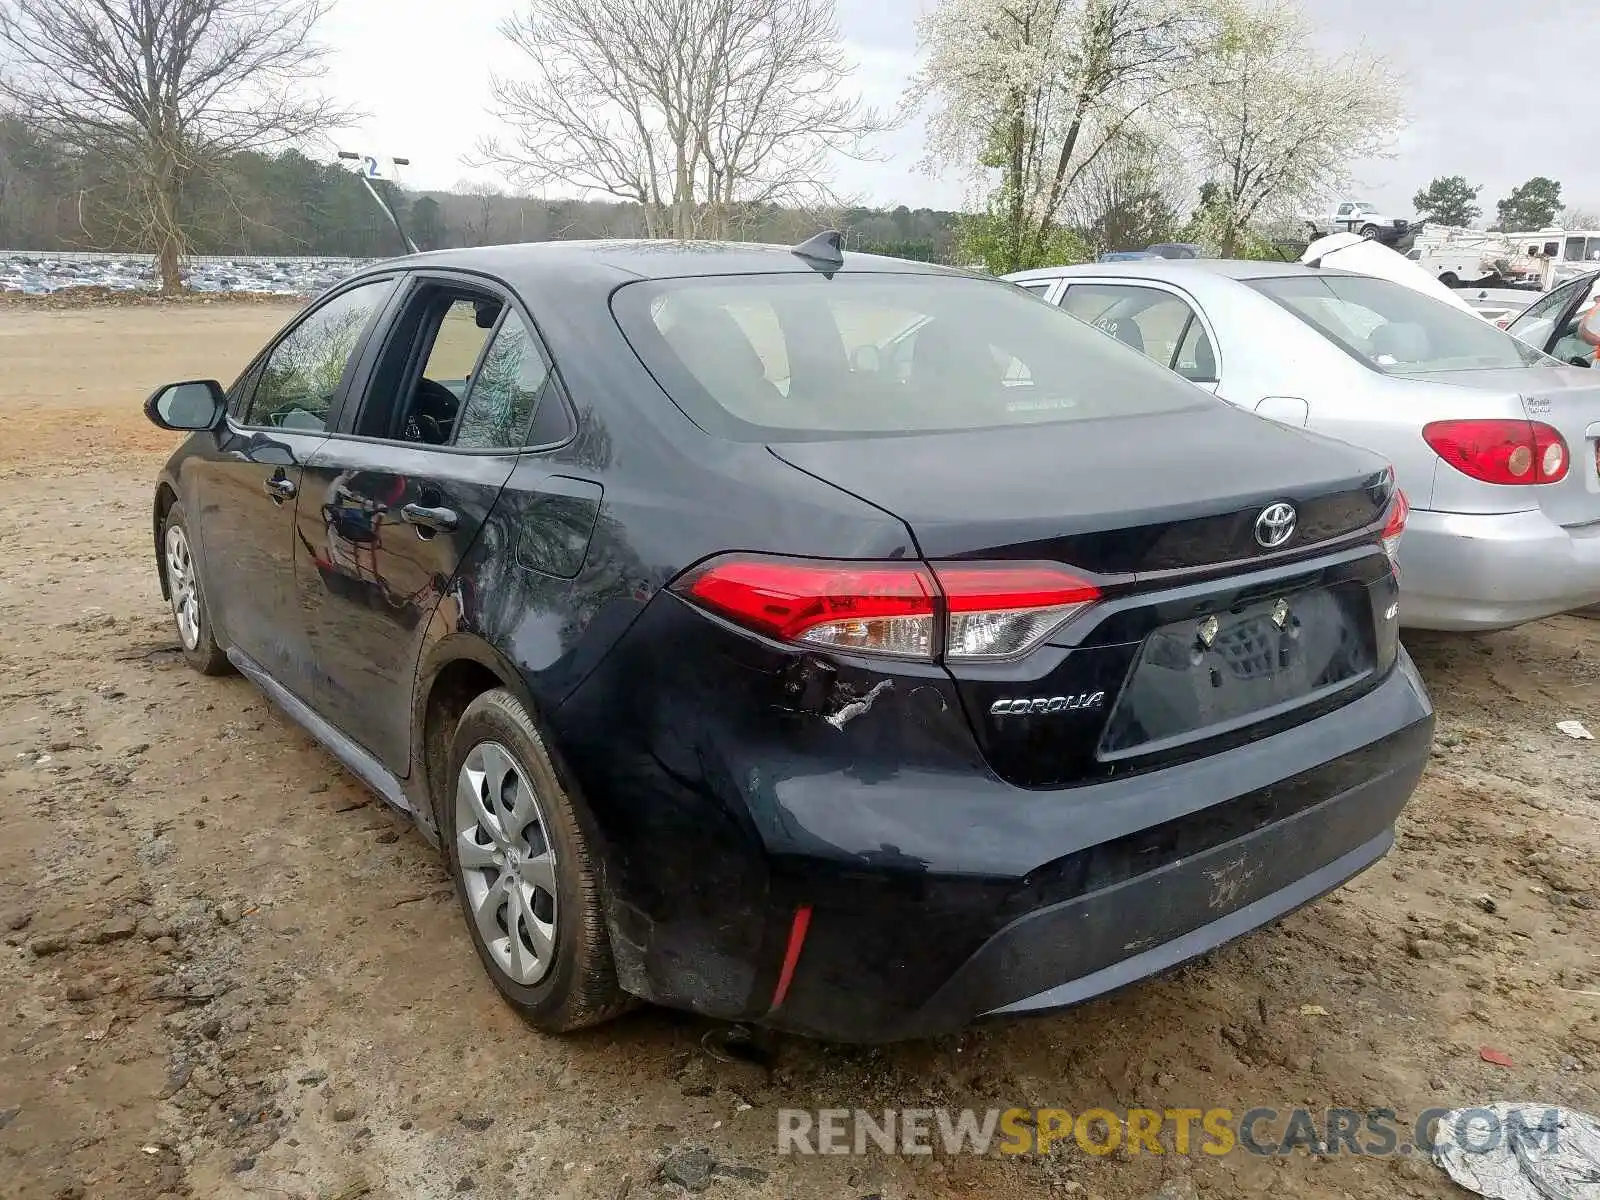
{"x":521,"y":848}
{"x":188,"y":598}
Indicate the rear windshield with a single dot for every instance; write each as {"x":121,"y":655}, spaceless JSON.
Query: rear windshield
{"x":1394,"y":329}
{"x":798,"y":357}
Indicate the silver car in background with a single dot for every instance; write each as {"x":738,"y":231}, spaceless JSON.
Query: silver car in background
{"x":1493,"y":441}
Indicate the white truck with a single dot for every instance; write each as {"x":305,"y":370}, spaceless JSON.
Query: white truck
{"x":1360,"y":217}
{"x":1475,"y":258}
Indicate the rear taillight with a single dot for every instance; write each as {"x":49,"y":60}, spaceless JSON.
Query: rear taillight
{"x":1500,"y":451}
{"x":1399,"y":510}
{"x":966,"y":611}
{"x":1000,"y":611}
{"x":879,"y":608}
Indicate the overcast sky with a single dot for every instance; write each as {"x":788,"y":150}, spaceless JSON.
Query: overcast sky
{"x":1497,"y":92}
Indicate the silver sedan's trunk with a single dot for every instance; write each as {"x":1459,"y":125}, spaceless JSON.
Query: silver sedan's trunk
{"x":1565,"y":398}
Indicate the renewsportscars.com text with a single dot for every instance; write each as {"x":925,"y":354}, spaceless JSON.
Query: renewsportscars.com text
{"x":1100,"y":1131}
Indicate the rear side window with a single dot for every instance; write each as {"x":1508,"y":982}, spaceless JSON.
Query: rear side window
{"x":507,"y":390}
{"x":1151,"y":320}
{"x":304,"y":371}
{"x":800,"y":356}
{"x":1394,"y":329}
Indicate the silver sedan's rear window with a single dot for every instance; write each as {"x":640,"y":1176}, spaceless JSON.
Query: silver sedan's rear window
{"x":800,"y":356}
{"x":1394,"y":329}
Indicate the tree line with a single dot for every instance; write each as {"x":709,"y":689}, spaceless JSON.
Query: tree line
{"x":1530,"y":206}
{"x":289,"y":204}
{"x":177,"y":127}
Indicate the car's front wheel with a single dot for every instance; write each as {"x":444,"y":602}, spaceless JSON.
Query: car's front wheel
{"x":188,"y":598}
{"x":524,"y":855}
{"x":1369,"y":232}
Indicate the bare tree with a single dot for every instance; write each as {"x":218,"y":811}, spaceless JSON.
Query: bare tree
{"x":479,"y":227}
{"x":1271,"y":122}
{"x":158,"y":93}
{"x":1128,"y":197}
{"x":693,"y":109}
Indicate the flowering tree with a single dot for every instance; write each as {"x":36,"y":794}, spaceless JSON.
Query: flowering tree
{"x":1031,"y":93}
{"x":1271,"y":122}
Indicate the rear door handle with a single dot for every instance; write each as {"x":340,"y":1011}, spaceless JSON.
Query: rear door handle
{"x":440,"y":520}
{"x":278,"y":487}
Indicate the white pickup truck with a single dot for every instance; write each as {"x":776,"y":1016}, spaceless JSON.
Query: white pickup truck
{"x":1357,"y":216}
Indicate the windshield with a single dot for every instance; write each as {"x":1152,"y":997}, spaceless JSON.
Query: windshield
{"x":1580,"y":249}
{"x":794,"y":357}
{"x":1394,"y":329}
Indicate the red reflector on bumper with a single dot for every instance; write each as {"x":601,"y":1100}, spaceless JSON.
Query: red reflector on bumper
{"x":791,"y":952}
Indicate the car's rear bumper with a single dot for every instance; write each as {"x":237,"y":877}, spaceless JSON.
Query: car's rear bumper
{"x":1492,"y":571}
{"x":1145,"y":923}
{"x":1105,"y":921}
{"x":936,"y":893}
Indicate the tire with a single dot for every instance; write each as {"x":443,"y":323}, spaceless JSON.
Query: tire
{"x":187,"y":598}
{"x":1369,"y":232}
{"x":555,"y":968}
{"x":1450,"y":279}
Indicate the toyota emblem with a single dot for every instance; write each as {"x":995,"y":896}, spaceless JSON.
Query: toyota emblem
{"x":1275,"y":525}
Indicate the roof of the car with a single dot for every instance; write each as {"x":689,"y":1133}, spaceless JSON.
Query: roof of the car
{"x":655,"y":259}
{"x":1179,"y":268}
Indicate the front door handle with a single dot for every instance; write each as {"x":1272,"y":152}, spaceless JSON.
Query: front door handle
{"x":437,"y":520}
{"x":278,"y":487}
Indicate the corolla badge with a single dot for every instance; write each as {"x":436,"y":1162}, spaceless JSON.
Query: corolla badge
{"x":1275,"y":525}
{"x":1029,"y":705}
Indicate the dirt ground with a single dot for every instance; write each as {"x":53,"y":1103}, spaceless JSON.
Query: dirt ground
{"x":228,"y":971}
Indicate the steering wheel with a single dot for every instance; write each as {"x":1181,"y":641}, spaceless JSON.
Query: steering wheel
{"x":433,"y":413}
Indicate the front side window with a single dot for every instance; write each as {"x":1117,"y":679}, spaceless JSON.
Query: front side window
{"x":1573,"y":342}
{"x":243,"y":391}
{"x":797,"y":356}
{"x":303,"y":373}
{"x":1392,"y":328}
{"x":1574,"y":249}
{"x":1539,"y":319}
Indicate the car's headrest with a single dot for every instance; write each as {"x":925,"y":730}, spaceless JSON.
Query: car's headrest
{"x":1403,"y":341}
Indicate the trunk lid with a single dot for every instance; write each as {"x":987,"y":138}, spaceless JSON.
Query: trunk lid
{"x":1201,"y":635}
{"x":1125,"y":496}
{"x":1567,"y":399}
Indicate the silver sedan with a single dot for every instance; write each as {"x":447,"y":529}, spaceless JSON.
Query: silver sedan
{"x":1494,"y":442}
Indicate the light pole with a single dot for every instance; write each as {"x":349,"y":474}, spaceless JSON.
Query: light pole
{"x":370,"y":170}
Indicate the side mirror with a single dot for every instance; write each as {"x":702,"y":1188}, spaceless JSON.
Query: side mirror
{"x":187,"y":407}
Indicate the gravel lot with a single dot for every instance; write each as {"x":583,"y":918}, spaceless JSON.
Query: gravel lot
{"x":228,"y":971}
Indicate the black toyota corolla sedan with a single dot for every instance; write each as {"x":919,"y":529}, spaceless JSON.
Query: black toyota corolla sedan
{"x":853,"y":646}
